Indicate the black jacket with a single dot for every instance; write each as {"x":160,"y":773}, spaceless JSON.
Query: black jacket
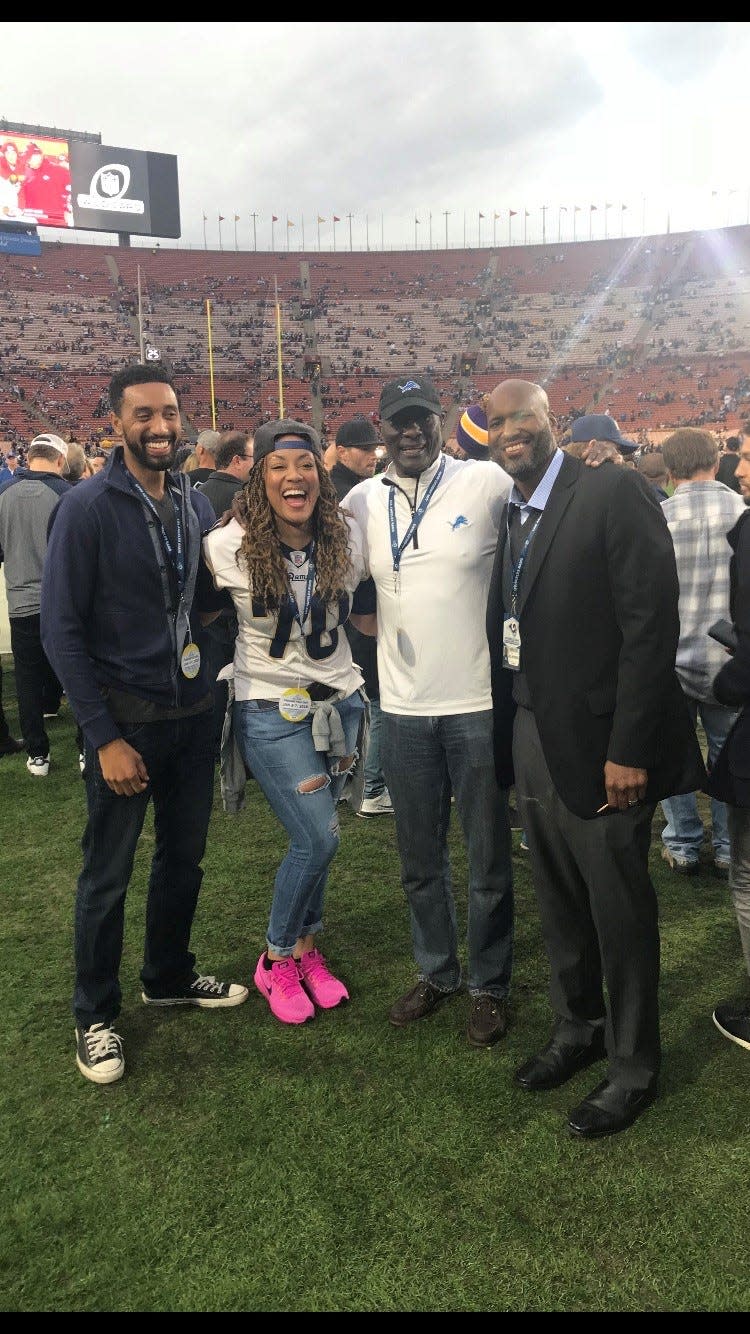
{"x":597,"y":611}
{"x":219,"y":488}
{"x":729,"y":779}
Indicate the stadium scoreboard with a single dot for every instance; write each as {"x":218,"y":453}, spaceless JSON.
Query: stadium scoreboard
{"x":80,"y":183}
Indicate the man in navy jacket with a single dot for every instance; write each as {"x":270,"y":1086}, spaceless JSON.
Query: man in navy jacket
{"x":119,"y":624}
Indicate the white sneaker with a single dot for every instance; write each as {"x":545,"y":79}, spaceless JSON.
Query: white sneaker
{"x":81,"y":761}
{"x":381,"y":805}
{"x":38,"y":765}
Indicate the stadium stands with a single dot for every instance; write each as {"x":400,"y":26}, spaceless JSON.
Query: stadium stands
{"x":654,"y":329}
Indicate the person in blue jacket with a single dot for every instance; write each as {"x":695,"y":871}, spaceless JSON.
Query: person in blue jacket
{"x":119,"y":622}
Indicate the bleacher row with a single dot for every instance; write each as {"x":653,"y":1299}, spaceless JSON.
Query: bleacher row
{"x":654,"y":329}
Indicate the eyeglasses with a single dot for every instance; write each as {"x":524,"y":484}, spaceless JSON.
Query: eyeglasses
{"x":419,"y":418}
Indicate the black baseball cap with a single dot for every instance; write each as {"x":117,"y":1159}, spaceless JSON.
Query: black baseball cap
{"x":411,"y":391}
{"x":359,"y":433}
{"x":264,"y":441}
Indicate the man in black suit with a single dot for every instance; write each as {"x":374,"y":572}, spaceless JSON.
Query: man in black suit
{"x":728,"y":462}
{"x":583,"y":628}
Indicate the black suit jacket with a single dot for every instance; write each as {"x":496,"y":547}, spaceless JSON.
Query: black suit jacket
{"x":599,"y":629}
{"x":730,"y":777}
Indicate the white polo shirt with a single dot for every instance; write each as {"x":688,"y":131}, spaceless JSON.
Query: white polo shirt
{"x":433,"y":656}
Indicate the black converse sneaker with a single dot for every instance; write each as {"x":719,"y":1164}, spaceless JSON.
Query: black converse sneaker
{"x":99,"y":1053}
{"x":203,"y":991}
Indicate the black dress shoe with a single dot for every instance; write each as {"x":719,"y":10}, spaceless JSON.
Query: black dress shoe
{"x":11,"y":747}
{"x":556,"y":1063}
{"x":608,"y":1109}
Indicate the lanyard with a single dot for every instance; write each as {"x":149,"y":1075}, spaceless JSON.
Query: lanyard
{"x":302,"y":616}
{"x":516,"y":569}
{"x":398,"y":548}
{"x":177,"y":557}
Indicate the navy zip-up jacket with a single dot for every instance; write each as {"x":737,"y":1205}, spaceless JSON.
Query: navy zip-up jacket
{"x":109,"y":603}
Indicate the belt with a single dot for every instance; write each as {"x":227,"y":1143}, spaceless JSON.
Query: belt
{"x":316,"y":691}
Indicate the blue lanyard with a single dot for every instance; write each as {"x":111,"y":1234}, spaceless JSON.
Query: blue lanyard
{"x":397,"y":548}
{"x":516,"y":569}
{"x":177,"y":558}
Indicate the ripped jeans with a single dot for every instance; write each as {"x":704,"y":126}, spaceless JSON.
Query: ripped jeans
{"x":282,"y":758}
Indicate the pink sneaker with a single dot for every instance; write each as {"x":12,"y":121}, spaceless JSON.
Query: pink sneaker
{"x":282,"y":988}
{"x":318,"y":980}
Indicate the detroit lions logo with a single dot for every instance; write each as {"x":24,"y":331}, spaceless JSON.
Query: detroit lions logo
{"x":409,"y":386}
{"x":460,"y":521}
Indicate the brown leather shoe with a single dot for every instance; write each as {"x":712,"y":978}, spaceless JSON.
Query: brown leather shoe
{"x":488,"y":1020}
{"x":417,"y":1003}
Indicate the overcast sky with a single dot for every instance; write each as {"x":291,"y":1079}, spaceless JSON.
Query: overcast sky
{"x":392,"y":122}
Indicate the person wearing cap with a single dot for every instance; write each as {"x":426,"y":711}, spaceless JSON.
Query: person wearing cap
{"x":430,"y":524}
{"x":26,"y":504}
{"x":356,"y":459}
{"x":9,"y":467}
{"x":120,"y":623}
{"x":590,"y":716}
{"x":599,"y":426}
{"x":471,"y":433}
{"x":290,"y":563}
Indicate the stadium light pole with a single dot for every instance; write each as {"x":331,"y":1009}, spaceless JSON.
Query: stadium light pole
{"x":446,"y":215}
{"x":142,"y":357}
{"x":255,"y":238}
{"x":349,"y":216}
{"x":544,"y":223}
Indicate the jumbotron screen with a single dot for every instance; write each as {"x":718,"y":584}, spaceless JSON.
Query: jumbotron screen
{"x":82,"y":184}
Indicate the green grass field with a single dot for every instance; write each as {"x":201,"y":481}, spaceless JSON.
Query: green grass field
{"x":241,"y":1166}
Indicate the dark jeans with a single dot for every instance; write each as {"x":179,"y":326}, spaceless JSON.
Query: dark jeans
{"x":179,"y":758}
{"x":425,"y":759}
{"x":4,"y":728}
{"x":38,"y":690}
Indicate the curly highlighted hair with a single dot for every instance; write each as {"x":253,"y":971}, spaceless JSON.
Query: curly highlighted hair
{"x":260,"y":548}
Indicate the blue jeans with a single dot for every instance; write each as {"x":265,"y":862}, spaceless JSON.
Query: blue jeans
{"x":179,"y":758}
{"x":683,"y":832}
{"x":425,"y":759}
{"x":374,"y":777}
{"x":282,"y":757}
